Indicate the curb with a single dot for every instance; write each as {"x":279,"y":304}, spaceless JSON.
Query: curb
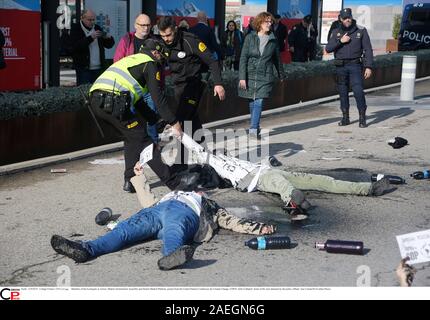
{"x":108,"y":148}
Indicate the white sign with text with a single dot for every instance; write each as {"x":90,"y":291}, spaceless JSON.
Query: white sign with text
{"x":416,"y":246}
{"x":146,"y":154}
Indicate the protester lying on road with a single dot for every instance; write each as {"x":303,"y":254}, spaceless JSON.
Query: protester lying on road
{"x":247,"y":176}
{"x":177,"y":219}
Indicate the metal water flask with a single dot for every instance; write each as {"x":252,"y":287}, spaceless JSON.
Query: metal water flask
{"x":339,"y":246}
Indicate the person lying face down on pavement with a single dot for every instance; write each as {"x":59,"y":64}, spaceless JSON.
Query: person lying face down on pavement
{"x":248,"y":176}
{"x":178,"y":219}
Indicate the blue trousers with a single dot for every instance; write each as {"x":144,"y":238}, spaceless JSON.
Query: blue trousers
{"x":84,"y":76}
{"x":351,"y":74}
{"x":172,"y":221}
{"x":256,"y":108}
{"x":152,"y":130}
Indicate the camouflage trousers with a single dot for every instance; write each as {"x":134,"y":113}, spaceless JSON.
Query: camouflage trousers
{"x":284,"y":182}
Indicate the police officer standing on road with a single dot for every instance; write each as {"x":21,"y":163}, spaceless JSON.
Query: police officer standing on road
{"x":187,"y":54}
{"x":353,"y":52}
{"x":117,"y":98}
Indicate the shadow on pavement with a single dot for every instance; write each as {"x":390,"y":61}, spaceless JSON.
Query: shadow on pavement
{"x":303,"y":126}
{"x":197,"y":264}
{"x":383,"y":115}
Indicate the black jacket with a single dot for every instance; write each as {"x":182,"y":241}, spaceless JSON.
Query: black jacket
{"x":79,"y":46}
{"x":298,"y":38}
{"x":206,"y":34}
{"x":281,"y":34}
{"x":2,"y":41}
{"x":336,"y":24}
{"x":186,"y":56}
{"x":236,"y":49}
{"x":358,"y":47}
{"x":149,"y":74}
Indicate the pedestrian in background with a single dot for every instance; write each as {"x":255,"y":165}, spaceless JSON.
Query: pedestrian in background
{"x":183,"y":25}
{"x":250,"y":27}
{"x":260,"y":54}
{"x":353,"y":53}
{"x":205,"y":33}
{"x":301,"y":38}
{"x":281,"y":32}
{"x":130,"y":44}
{"x":87,"y":45}
{"x":231,"y":42}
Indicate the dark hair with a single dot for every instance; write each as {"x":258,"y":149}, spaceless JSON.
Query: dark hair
{"x":277,"y":16}
{"x":234,"y":22}
{"x":308,"y":18}
{"x":165,"y":23}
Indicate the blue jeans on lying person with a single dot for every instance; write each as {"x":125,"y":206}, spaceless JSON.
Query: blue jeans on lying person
{"x":171,"y":221}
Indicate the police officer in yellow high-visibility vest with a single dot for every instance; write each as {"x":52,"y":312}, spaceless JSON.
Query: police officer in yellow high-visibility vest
{"x":117,"y":98}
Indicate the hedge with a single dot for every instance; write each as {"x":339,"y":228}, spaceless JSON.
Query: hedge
{"x":65,"y":99}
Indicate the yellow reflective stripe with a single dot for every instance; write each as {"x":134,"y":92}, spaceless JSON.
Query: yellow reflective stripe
{"x":118,"y":79}
{"x":128,"y":77}
{"x":133,"y":125}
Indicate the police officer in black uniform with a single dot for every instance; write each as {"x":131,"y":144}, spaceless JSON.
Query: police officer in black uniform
{"x":353,"y":53}
{"x":117,"y":98}
{"x":187,"y":55}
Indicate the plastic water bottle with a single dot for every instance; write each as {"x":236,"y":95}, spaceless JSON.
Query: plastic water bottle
{"x":393,"y":179}
{"x":420,"y":175}
{"x":264,"y":243}
{"x":103,"y":217}
{"x":339,"y":246}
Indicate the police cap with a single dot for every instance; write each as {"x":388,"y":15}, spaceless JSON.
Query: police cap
{"x":345,"y":13}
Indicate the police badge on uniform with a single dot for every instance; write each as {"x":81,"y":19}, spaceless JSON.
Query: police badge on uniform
{"x":358,"y":35}
{"x":202,"y":47}
{"x":182,"y":54}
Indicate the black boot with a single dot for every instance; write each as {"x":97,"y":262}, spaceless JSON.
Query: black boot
{"x":71,"y":249}
{"x":128,"y":186}
{"x":345,"y":119}
{"x":177,"y":258}
{"x":362,"y":121}
{"x":380,"y":187}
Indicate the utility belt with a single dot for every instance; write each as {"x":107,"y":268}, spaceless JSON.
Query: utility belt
{"x":118,"y":105}
{"x":344,"y":62}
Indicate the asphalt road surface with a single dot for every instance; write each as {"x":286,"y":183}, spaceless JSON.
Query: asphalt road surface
{"x":36,"y":204}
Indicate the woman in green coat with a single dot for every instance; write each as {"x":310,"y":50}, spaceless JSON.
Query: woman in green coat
{"x":260,"y":54}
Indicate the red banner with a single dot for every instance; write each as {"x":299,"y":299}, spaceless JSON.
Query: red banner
{"x":21,"y":30}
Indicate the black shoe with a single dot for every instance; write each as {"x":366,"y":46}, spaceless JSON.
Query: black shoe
{"x":362,"y":120}
{"x":380,"y":187}
{"x":128,"y":187}
{"x":103,"y":217}
{"x":177,"y":258}
{"x":71,"y":249}
{"x":295,"y":212}
{"x":345,"y":120}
